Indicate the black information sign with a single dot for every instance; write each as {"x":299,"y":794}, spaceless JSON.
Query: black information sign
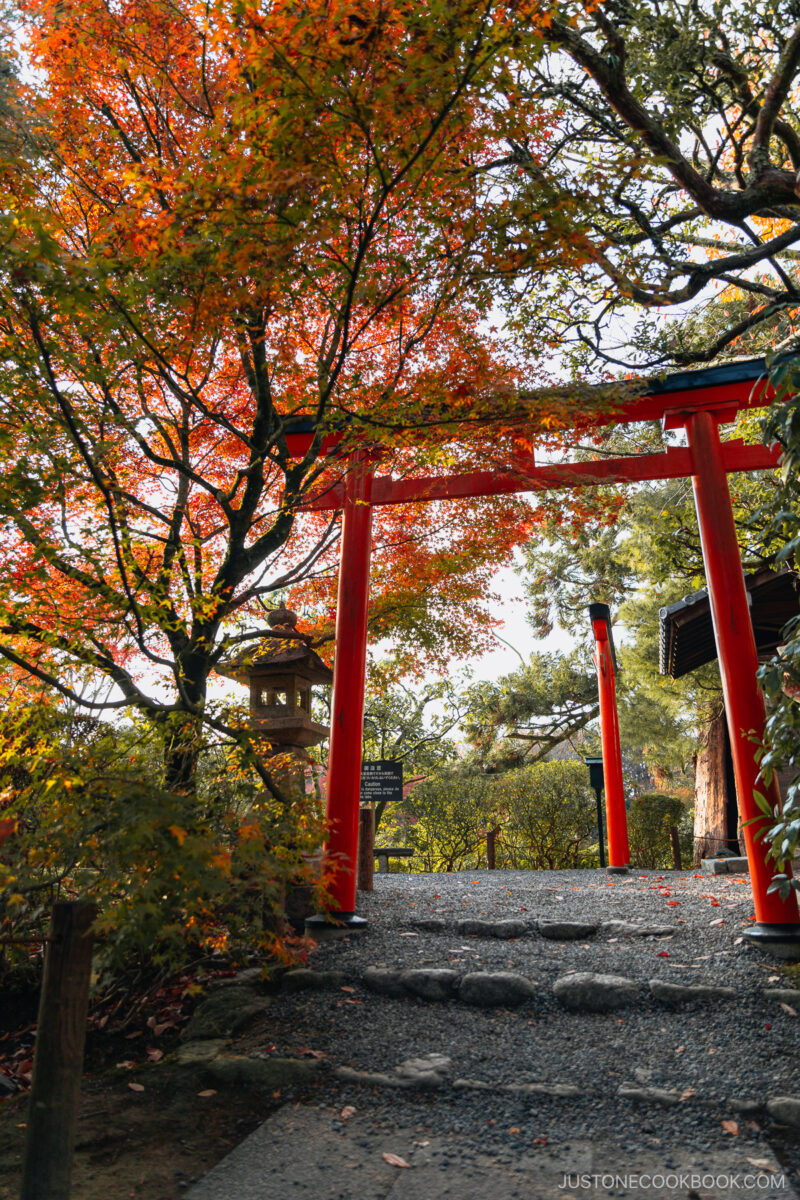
{"x":381,"y":781}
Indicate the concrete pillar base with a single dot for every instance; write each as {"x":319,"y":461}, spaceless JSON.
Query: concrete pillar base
{"x":781,"y":941}
{"x":325,"y":926}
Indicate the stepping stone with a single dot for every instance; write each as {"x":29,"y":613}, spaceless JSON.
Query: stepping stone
{"x":784,"y":996}
{"x":304,"y":979}
{"x":559,"y":1091}
{"x":724,"y":866}
{"x":368,"y":1078}
{"x":240,"y":1071}
{"x":431,"y":1070}
{"x":567,"y":931}
{"x":492,"y":929}
{"x":785,"y":1109}
{"x":191,"y":1053}
{"x":428,"y":1071}
{"x":683,"y":993}
{"x":430,"y":983}
{"x":585,"y":991}
{"x":498,"y":989}
{"x":384,"y":981}
{"x":648,"y":1095}
{"x":631,"y":929}
{"x":223,"y":1012}
{"x":251,"y":977}
{"x":745,"y":1106}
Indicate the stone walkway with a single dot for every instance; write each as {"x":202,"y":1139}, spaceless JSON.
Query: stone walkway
{"x":311,"y":1153}
{"x":498,"y":1056}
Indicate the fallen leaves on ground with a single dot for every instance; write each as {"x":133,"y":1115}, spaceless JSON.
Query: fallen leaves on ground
{"x":394,"y":1160}
{"x":731,"y":1127}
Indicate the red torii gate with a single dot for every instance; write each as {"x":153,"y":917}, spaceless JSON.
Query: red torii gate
{"x":698,"y":401}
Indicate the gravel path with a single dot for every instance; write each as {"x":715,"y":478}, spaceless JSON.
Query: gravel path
{"x":687,"y":1068}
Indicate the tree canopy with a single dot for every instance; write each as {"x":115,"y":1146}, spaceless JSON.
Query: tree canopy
{"x":218,"y":222}
{"x":675,"y":152}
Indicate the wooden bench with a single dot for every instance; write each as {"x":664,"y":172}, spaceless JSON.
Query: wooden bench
{"x":384,"y":853}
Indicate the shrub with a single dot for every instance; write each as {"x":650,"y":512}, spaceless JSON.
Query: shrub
{"x":650,"y":818}
{"x":551,"y":817}
{"x":445,"y":820}
{"x":175,"y":876}
{"x":545,"y":814}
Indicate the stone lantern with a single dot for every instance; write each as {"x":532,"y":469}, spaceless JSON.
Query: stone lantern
{"x":280,"y":674}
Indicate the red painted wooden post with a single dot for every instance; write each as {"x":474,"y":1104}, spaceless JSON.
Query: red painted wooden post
{"x":778,"y":920}
{"x":617,"y":822}
{"x":347,"y":707}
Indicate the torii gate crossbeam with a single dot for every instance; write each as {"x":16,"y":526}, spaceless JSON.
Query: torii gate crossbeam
{"x":698,"y":401}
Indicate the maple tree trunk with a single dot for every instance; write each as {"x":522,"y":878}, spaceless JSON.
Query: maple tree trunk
{"x":58,"y":1058}
{"x":710,"y":795}
{"x":182,"y":741}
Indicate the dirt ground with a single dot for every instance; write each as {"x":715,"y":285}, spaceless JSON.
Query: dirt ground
{"x":146,"y":1129}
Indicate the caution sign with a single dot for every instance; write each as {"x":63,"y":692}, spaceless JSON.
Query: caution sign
{"x":381,"y":781}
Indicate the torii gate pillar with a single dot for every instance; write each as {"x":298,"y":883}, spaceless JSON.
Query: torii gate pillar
{"x":347,"y":710}
{"x":777,"y":925}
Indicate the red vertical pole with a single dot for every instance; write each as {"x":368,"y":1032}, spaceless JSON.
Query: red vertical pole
{"x":347,"y":707}
{"x":616,"y":818}
{"x":738,"y":662}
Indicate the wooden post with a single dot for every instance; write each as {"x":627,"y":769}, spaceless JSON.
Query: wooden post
{"x":366,"y":847}
{"x":491,"y":838}
{"x":58,"y":1057}
{"x":675,"y":842}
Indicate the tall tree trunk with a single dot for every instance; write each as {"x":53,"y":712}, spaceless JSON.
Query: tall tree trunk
{"x":710,"y":791}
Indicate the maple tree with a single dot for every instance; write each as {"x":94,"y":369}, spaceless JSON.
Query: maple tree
{"x":222,"y":224}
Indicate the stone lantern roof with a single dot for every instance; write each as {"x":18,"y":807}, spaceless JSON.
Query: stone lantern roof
{"x":283,"y":650}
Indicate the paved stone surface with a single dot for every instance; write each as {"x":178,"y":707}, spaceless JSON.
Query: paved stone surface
{"x":585,"y":991}
{"x":500,"y":989}
{"x":312,"y":1153}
